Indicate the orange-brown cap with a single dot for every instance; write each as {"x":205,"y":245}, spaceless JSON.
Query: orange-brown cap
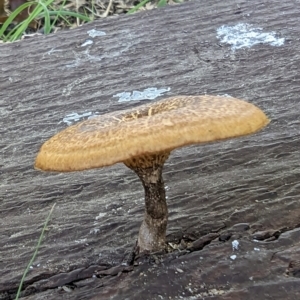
{"x":155,"y":127}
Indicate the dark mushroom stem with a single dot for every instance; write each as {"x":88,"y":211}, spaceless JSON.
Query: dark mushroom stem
{"x":152,"y":234}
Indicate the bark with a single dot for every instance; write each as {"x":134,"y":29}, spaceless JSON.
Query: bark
{"x":252,"y":180}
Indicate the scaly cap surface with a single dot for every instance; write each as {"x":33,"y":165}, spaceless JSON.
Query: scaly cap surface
{"x":151,"y":128}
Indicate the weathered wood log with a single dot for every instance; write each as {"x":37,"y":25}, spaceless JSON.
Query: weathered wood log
{"x":253,"y":180}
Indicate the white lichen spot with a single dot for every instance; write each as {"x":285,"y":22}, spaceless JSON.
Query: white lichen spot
{"x":100,"y":215}
{"x":86,"y":43}
{"x":82,"y":57}
{"x":233,"y":257}
{"x":225,"y":95}
{"x":147,"y":94}
{"x":66,"y":289}
{"x":93,"y":33}
{"x":17,"y":234}
{"x":75,"y":117}
{"x":51,"y":51}
{"x":86,"y":56}
{"x":179,"y":270}
{"x":245,"y":35}
{"x":94,"y":230}
{"x":256,"y":249}
{"x":81,"y":241}
{"x":235,"y":245}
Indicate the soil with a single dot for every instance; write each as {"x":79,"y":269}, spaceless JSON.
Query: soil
{"x":233,"y":206}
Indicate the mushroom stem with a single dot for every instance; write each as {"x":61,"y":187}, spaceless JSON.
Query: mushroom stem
{"x":152,"y":234}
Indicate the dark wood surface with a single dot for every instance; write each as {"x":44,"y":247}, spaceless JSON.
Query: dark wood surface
{"x":211,"y":188}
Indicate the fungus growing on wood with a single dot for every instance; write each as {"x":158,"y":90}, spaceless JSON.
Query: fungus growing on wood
{"x":142,"y":138}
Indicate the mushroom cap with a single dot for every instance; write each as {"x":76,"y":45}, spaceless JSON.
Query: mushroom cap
{"x":151,"y":128}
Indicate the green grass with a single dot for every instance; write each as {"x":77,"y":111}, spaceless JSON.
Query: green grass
{"x":43,"y":9}
{"x":160,"y":3}
{"x":35,"y":253}
{"x":51,"y":15}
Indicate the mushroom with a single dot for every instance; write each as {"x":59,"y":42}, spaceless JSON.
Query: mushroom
{"x":142,"y":138}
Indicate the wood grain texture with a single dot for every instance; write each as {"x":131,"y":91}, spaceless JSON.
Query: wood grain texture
{"x":253,"y":180}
